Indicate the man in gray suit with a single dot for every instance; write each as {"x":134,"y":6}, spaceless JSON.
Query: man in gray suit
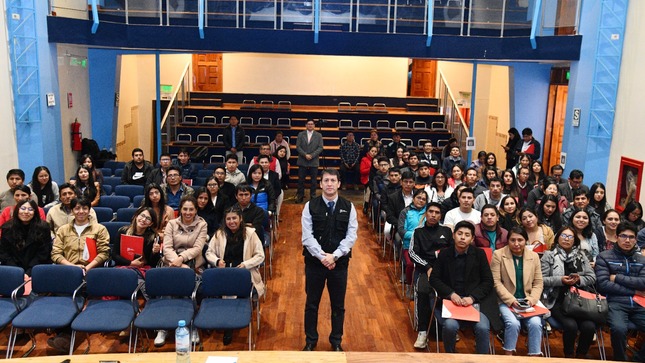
{"x":309,"y":146}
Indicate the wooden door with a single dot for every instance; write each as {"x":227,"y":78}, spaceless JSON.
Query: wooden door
{"x":424,"y":78}
{"x":554,"y":132}
{"x":207,"y":72}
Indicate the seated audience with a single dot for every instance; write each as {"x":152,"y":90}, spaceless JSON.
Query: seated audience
{"x":425,"y":243}
{"x":71,"y":245}
{"x":548,"y":212}
{"x":142,"y":225}
{"x":454,"y":159}
{"x":136,"y":171}
{"x":536,"y":174}
{"x":509,"y":213}
{"x":218,"y":199}
{"x":252,"y":215}
{"x":187,"y":169}
{"x":87,"y":187}
{"x":581,"y":201}
{"x":633,"y":213}
{"x":410,"y":218}
{"x":25,"y":241}
{"x":206,"y":210}
{"x":465,"y":211}
{"x":283,"y":159}
{"x":563,"y":267}
{"x":598,"y":198}
{"x":509,"y":185}
{"x":549,"y":186}
{"x":433,"y":162}
{"x":518,"y":277}
{"x":274,"y":165}
{"x":15,"y":177}
{"x":154,"y":198}
{"x":184,"y":237}
{"x":397,"y":201}
{"x":273,"y":179}
{"x":471,"y":179}
{"x":61,"y":213}
{"x":620,"y":274}
{"x":489,"y":233}
{"x":492,"y":196}
{"x":462,"y":275}
{"x":584,"y":230}
{"x":275,"y":145}
{"x":439,"y":189}
{"x":540,"y":236}
{"x":158,"y":175}
{"x":225,"y":188}
{"x":233,"y":174}
{"x":572,"y":184}
{"x":44,"y":187}
{"x":20,"y":193}
{"x":235,"y":245}
{"x":175,"y":189}
{"x":606,"y":234}
{"x":456,"y":176}
{"x":263,"y":195}
{"x":392,"y":147}
{"x":524,"y":185}
{"x":88,"y":162}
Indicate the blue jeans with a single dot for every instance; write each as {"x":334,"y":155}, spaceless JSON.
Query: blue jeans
{"x":619,"y":316}
{"x":451,"y":326}
{"x":512,"y":330}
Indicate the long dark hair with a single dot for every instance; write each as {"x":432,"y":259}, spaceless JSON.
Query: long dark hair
{"x":630,"y":207}
{"x":536,"y":178}
{"x":209,"y":206}
{"x":240,"y":235}
{"x":511,"y":190}
{"x":598,"y":206}
{"x":147,"y":203}
{"x":152,"y":229}
{"x":90,"y":190}
{"x":588,"y":231}
{"x":45,"y":194}
{"x":555,"y":220}
{"x":445,"y":178}
{"x":281,"y":147}
{"x":16,"y":229}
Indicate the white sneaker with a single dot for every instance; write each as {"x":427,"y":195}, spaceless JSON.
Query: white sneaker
{"x":160,"y":340}
{"x":194,"y":337}
{"x":422,"y":340}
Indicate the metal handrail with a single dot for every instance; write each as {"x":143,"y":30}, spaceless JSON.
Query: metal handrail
{"x":183,"y":86}
{"x":455,"y":122}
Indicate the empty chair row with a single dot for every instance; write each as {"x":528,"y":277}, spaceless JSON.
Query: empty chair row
{"x":400,"y":125}
{"x":362,"y":107}
{"x":266,"y":104}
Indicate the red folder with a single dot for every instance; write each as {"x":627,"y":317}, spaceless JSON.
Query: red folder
{"x":489,"y":253}
{"x":639,"y":300}
{"x":130,"y":246}
{"x":538,"y":310}
{"x":188,"y":182}
{"x":589,"y":295}
{"x":452,"y":311}
{"x":90,"y":244}
{"x":538,"y":248}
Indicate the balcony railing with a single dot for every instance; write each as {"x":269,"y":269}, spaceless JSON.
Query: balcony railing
{"x":501,"y":18}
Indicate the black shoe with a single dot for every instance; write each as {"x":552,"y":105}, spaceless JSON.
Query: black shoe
{"x":336,"y":348}
{"x":309,"y":347}
{"x":228,"y":338}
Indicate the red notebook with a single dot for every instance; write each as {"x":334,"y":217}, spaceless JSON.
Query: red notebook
{"x":639,"y":300}
{"x":538,"y":309}
{"x":489,"y":253}
{"x":90,"y":245}
{"x":586,"y":294}
{"x":452,"y":311}
{"x":130,"y":246}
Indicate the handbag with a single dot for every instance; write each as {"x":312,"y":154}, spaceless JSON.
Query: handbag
{"x":592,"y":306}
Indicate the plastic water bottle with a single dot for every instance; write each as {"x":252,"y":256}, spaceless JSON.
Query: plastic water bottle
{"x":182,"y":342}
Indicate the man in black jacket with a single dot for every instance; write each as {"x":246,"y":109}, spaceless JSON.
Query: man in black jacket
{"x":462,"y":275}
{"x":234,"y":138}
{"x":251,"y":213}
{"x":425,"y":243}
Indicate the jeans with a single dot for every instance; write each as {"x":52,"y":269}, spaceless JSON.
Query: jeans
{"x":512,"y":330}
{"x":618,"y":318}
{"x":451,"y":326}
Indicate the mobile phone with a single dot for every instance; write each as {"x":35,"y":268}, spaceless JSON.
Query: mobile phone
{"x":137,"y":256}
{"x":523,"y":303}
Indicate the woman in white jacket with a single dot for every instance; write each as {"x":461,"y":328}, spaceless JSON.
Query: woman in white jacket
{"x":238,"y":246}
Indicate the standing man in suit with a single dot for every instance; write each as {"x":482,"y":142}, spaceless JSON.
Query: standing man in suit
{"x":309,"y":146}
{"x":329,"y":227}
{"x":234,"y":138}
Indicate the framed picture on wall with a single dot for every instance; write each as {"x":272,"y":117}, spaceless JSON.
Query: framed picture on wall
{"x":630,"y":176}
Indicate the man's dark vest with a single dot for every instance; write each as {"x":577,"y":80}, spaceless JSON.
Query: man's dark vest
{"x":329,"y":230}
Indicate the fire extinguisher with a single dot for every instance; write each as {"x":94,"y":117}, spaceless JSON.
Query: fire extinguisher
{"x":77,"y":136}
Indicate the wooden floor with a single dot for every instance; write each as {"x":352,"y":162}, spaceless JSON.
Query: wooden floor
{"x":376,"y":317}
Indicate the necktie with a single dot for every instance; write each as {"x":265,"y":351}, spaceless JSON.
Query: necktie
{"x":330,"y":206}
{"x":308,"y":137}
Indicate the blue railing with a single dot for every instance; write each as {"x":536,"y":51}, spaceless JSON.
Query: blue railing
{"x":500,"y":18}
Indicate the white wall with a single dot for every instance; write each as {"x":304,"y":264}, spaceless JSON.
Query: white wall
{"x":314,"y":75}
{"x":137,"y":90}
{"x":73,"y":79}
{"x":628,"y":132}
{"x":70,"y":8}
{"x":459,"y":76}
{"x":9,"y":150}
